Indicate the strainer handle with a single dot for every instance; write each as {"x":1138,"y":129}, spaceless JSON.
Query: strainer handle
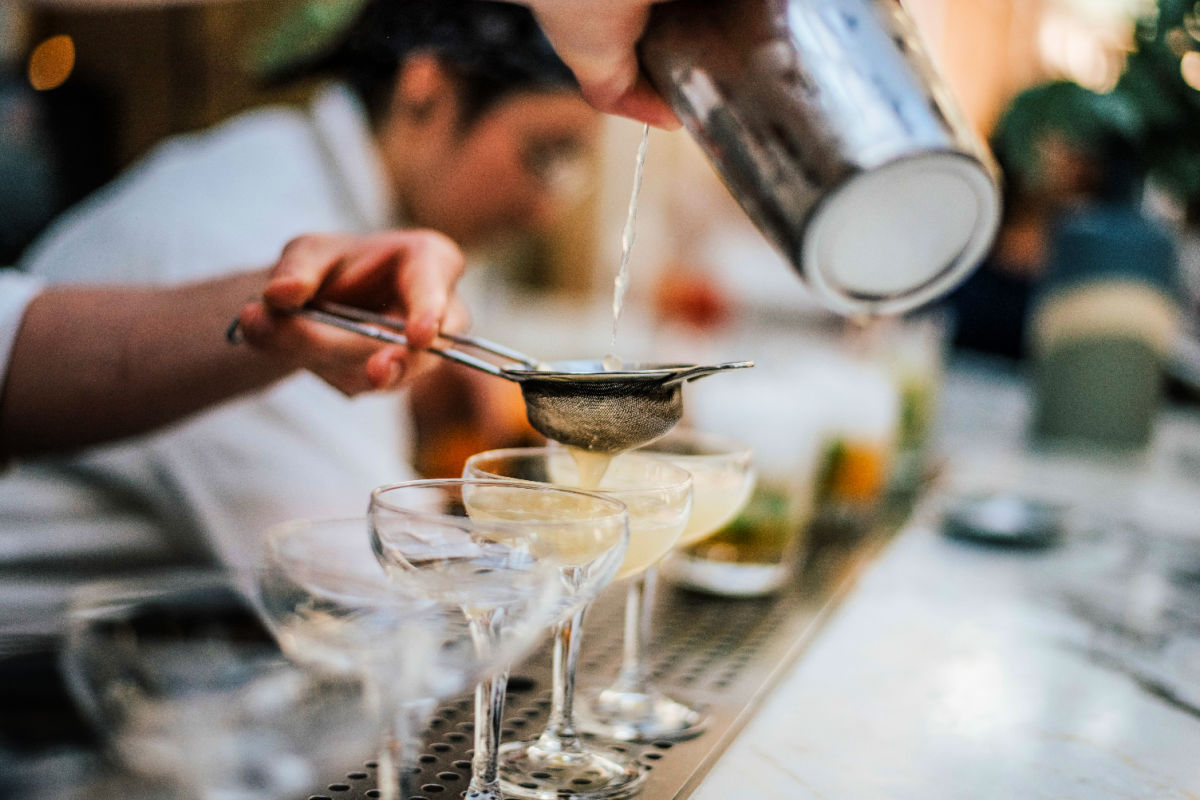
{"x":387,"y":329}
{"x":392,"y":323}
{"x":699,"y":372}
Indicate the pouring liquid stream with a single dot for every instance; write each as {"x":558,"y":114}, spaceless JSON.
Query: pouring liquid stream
{"x":621,"y":283}
{"x":592,"y":466}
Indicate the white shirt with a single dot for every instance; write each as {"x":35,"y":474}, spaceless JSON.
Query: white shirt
{"x":197,"y":206}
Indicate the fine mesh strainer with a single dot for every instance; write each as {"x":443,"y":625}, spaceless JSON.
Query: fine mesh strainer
{"x":577,"y":403}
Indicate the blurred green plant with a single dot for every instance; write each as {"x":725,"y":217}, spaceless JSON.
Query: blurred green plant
{"x":305,"y":31}
{"x":1083,"y":117}
{"x":1155,"y":107}
{"x":1167,"y":107}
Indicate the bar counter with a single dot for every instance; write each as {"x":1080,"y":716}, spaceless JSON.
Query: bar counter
{"x":963,"y":669}
{"x":908,"y":664}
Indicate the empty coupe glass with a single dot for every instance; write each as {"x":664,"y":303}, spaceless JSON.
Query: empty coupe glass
{"x":332,"y":606}
{"x":185,"y":685}
{"x":499,"y":551}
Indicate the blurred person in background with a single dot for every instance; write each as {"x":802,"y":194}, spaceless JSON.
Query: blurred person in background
{"x":1062,"y":148}
{"x":456,"y":117}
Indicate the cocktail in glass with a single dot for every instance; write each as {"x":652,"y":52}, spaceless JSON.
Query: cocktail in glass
{"x":559,"y":763}
{"x":632,"y":708}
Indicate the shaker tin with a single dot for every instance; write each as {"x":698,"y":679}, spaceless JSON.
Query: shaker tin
{"x":830,"y":126}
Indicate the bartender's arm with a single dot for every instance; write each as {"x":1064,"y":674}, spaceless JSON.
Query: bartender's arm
{"x":93,"y":364}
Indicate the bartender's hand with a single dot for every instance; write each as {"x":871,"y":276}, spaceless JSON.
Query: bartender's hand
{"x":91,"y":364}
{"x":410,"y":274}
{"x":596,"y":39}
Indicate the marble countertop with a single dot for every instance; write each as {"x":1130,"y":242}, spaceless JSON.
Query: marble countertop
{"x":957,"y":669}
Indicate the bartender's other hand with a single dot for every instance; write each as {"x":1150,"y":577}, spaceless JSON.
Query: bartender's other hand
{"x":410,"y":274}
{"x":597,"y":40}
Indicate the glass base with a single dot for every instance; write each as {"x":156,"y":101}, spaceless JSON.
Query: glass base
{"x":640,"y":717}
{"x":532,"y":772}
{"x":725,"y":578}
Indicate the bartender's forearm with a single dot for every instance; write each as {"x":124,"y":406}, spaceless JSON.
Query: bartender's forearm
{"x":92,"y":364}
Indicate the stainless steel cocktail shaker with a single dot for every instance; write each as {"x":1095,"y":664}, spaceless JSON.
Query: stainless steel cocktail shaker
{"x":829,"y":124}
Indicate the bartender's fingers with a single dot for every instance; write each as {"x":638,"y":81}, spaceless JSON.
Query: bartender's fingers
{"x":303,"y":266}
{"x":412,"y":271}
{"x":458,"y":317}
{"x":642,"y":103}
{"x":338,"y":357}
{"x":597,"y":39}
{"x":425,"y":284}
{"x":388,"y":367}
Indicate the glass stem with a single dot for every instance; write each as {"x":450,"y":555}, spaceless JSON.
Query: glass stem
{"x":489,"y":712}
{"x":639,"y":599}
{"x":397,"y":721}
{"x":560,"y":735}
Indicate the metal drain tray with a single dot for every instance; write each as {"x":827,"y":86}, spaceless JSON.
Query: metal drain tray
{"x":722,"y":654}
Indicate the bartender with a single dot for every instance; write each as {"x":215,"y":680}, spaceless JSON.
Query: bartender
{"x":94,"y":365}
{"x":45,"y":363}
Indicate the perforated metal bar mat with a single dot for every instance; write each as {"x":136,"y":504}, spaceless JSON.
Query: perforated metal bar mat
{"x":721,"y":654}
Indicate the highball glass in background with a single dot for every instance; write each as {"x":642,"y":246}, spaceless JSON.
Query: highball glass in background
{"x":782,"y":421}
{"x":911,"y":350}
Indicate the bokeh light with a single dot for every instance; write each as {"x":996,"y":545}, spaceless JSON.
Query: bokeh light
{"x":1179,"y":42}
{"x":51,"y":62}
{"x":1079,"y":50}
{"x":1191,"y":21}
{"x":1189,"y":68}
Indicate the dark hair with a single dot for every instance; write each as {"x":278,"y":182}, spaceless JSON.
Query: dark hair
{"x":491,"y":48}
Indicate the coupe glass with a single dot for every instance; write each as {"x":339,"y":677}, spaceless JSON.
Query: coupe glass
{"x":559,"y":763}
{"x":632,"y":708}
{"x":332,"y":606}
{"x":186,"y":686}
{"x":488,"y":547}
